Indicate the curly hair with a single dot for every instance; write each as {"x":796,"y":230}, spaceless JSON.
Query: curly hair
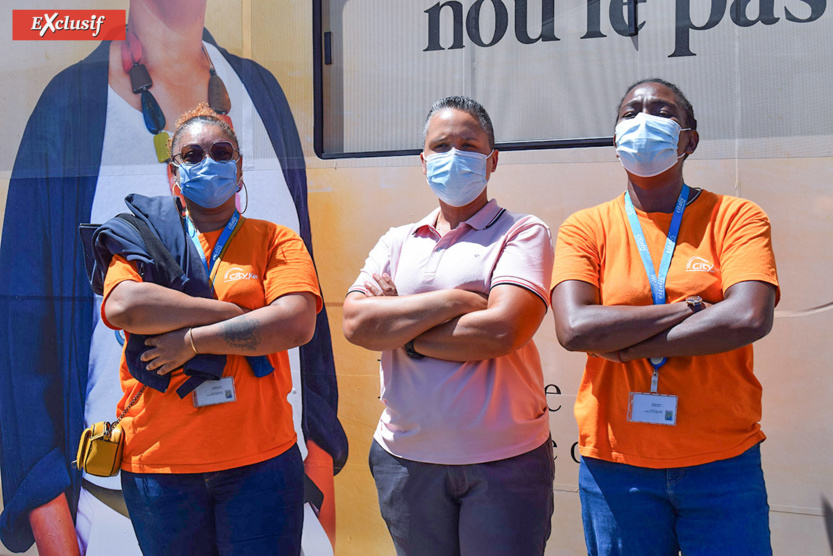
{"x":200,"y":113}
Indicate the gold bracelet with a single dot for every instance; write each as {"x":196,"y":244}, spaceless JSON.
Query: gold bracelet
{"x":191,"y":337}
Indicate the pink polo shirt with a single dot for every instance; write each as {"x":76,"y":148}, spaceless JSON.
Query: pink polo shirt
{"x":448,"y":412}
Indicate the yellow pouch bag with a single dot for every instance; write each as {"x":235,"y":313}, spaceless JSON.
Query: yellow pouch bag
{"x":100,"y":449}
{"x":101,"y":445}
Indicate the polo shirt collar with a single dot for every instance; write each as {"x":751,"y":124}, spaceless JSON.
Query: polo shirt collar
{"x":486,"y":216}
{"x":480,"y":220}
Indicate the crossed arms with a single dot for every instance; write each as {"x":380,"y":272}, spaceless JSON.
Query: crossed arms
{"x":627,"y":332}
{"x":218,"y":326}
{"x":455,"y":325}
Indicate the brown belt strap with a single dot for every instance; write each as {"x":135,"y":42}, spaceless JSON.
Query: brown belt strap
{"x":113,"y":499}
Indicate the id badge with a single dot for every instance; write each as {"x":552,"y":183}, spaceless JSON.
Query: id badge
{"x":213,"y":392}
{"x":656,"y":409}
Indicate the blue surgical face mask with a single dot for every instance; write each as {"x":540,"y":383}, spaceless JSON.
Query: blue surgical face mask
{"x":456,"y":177}
{"x":209,"y":183}
{"x":647,"y":145}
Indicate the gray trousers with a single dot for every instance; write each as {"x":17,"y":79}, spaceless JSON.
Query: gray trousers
{"x":496,"y":508}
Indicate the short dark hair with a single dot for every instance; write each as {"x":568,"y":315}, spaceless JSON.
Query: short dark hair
{"x":691,"y":122}
{"x":467,"y":105}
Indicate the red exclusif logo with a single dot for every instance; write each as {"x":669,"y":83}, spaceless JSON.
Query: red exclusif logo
{"x":68,"y":25}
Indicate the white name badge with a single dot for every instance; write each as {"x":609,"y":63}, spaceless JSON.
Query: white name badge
{"x":656,"y":409}
{"x":213,"y":392}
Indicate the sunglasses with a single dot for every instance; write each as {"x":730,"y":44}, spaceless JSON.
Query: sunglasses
{"x":221,"y":151}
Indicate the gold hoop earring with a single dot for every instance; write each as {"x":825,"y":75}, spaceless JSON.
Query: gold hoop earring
{"x":247,"y":196}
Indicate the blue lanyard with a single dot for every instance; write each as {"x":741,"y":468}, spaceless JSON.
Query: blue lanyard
{"x":657,"y":281}
{"x":260,"y":364}
{"x":219,"y":247}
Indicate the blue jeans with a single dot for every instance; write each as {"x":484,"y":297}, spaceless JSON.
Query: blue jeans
{"x":254,"y":509}
{"x":711,"y":509}
{"x":501,"y":507}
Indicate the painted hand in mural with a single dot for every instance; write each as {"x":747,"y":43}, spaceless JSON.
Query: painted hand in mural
{"x":319,"y":468}
{"x":53,"y":528}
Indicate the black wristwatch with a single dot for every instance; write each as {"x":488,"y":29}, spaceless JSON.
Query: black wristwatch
{"x":409,"y":349}
{"x":695,"y":303}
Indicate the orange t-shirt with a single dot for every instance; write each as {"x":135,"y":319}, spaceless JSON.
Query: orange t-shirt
{"x":722,"y":241}
{"x":166,"y":433}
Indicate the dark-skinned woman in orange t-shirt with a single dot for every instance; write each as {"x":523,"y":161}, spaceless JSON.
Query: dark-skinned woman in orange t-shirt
{"x":208,"y":473}
{"x":665,"y":288}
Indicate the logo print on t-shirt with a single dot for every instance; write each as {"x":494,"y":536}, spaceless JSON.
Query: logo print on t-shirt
{"x":699,"y":264}
{"x":237,"y":273}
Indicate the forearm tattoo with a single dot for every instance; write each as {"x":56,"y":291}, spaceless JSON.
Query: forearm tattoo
{"x":241,"y":333}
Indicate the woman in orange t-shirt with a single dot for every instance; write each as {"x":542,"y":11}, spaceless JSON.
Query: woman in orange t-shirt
{"x":214,"y":469}
{"x":665,"y":288}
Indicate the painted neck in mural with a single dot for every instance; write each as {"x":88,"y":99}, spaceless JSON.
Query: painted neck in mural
{"x":141,"y":83}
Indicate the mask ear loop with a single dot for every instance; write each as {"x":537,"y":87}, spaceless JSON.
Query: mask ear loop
{"x":173,"y":183}
{"x":243,"y":187}
{"x":685,"y":153}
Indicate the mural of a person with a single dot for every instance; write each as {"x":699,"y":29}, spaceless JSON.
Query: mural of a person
{"x":87,"y":144}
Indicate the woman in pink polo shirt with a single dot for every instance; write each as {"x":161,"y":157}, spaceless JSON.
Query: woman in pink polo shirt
{"x":462,"y":457}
